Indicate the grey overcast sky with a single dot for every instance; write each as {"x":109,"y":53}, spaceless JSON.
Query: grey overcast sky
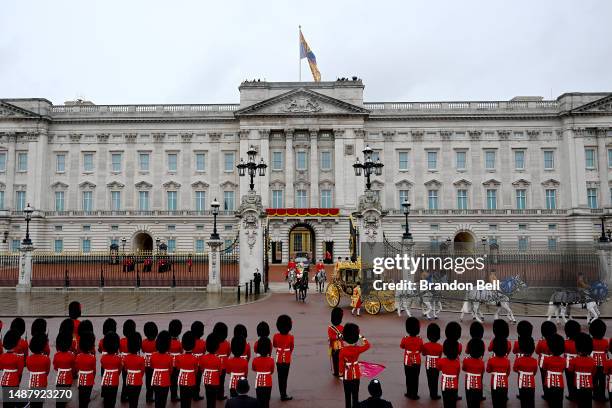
{"x":129,"y":51}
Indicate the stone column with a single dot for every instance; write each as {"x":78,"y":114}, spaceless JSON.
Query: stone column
{"x":25,"y":268}
{"x":289,"y":169}
{"x":251,"y":216}
{"x":263,"y":183}
{"x":214,"y":266}
{"x":314,"y":168}
{"x":339,"y":165}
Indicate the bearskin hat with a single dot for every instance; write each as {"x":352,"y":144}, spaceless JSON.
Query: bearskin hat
{"x":67,"y":326}
{"x":413,"y":326}
{"x":433,"y":332}
{"x":240,"y":330}
{"x":150,"y":330}
{"x":264,"y":346}
{"x":452,"y":331}
{"x":584,"y":344}
{"x":74,"y":310}
{"x":11,"y":338}
{"x":351,"y":333}
{"x":109,"y":325}
{"x":18,"y":325}
{"x":476,"y":347}
{"x":212,"y":343}
{"x":86,"y":342}
{"x":263,"y":329}
{"x":556,"y":344}
{"x":162,"y":342}
{"x":63,"y":341}
{"x":197,"y":328}
{"x":598,"y":329}
{"x":134,"y":343}
{"x":129,"y":327}
{"x":336,"y":316}
{"x":220,"y":329}
{"x":238,"y":346}
{"x":476,"y":330}
{"x":501,"y":329}
{"x":284,"y":324}
{"x":111,"y":342}
{"x":548,"y":328}
{"x":524,"y":328}
{"x":39,"y":326}
{"x":500,"y":346}
{"x":38,"y":343}
{"x":175,"y":328}
{"x":84,"y":327}
{"x":572,"y":328}
{"x":450,"y":349}
{"x":188,"y":341}
{"x":526,"y":345}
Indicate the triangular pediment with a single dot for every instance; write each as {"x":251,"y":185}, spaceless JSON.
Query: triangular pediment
{"x":301,"y":102}
{"x":521,"y":183}
{"x":143,"y":185}
{"x":199,"y":184}
{"x":491,"y":183}
{"x":58,"y":185}
{"x":602,"y":105}
{"x":10,"y":111}
{"x":462,"y":183}
{"x":87,"y":185}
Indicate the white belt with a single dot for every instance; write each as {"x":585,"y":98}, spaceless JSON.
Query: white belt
{"x":521,"y":378}
{"x":234,"y":375}
{"x":497,"y":377}
{"x":468,"y":379}
{"x":159,"y":370}
{"x":579,"y":376}
{"x":9,"y":370}
{"x":88,"y":372}
{"x":446,"y":377}
{"x":182,"y":371}
{"x":134,"y":371}
{"x":429,"y":360}
{"x":198,"y":354}
{"x":541,"y":359}
{"x":61,"y":370}
{"x":408,"y":354}
{"x":568,"y":358}
{"x":111,"y":370}
{"x":550,"y":374}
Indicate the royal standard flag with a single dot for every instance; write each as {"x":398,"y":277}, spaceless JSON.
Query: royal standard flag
{"x":306,"y":52}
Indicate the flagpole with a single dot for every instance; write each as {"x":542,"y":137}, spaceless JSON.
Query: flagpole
{"x":300,"y":52}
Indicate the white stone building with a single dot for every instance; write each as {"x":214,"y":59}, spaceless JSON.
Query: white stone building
{"x":523,"y":171}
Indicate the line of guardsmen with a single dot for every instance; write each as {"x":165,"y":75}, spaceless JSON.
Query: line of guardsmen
{"x":164,"y":362}
{"x":580,"y":357}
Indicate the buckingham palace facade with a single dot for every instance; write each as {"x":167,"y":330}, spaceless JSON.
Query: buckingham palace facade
{"x":524,"y":171}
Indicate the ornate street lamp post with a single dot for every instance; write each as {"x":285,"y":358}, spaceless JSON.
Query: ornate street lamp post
{"x":406,"y":205}
{"x":368,"y":167}
{"x":215,"y":211}
{"x":157,"y":242}
{"x":28,"y":217}
{"x":252,"y":167}
{"x":603,"y":237}
{"x":123,"y":242}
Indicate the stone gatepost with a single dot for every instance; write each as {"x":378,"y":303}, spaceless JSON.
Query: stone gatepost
{"x":251,"y":235}
{"x":369,"y":217}
{"x":214,"y":266}
{"x":25,"y":268}
{"x":604,"y":250}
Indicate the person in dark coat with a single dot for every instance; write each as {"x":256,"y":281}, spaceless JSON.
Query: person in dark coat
{"x":242,"y":400}
{"x":375,"y":400}
{"x":257,"y":281}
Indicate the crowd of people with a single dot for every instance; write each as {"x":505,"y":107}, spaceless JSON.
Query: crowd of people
{"x":579,"y":362}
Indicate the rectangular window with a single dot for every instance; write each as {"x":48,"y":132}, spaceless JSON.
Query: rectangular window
{"x":88,"y":162}
{"x":59,"y":228}
{"x":277,"y":160}
{"x":171,"y":227}
{"x":87,"y":201}
{"x":200,"y":163}
{"x":171,"y":245}
{"x":22,"y":162}
{"x":228,"y":200}
{"x":228,"y":162}
{"x":462,"y":199}
{"x":15,"y":245}
{"x":200,"y":200}
{"x":277,"y":199}
{"x":326,"y":160}
{"x":403,"y":161}
{"x":86,"y":245}
{"x":143,"y":200}
{"x":592,"y":197}
{"x":460,"y":160}
{"x":519,"y":159}
{"x":171,"y":200}
{"x":521,"y":199}
{"x":60,"y":163}
{"x":20,"y":200}
{"x":589,"y":158}
{"x":432,"y":160}
{"x":115,"y":200}
{"x":326,"y":199}
{"x":86,"y":227}
{"x":609,"y":158}
{"x":301,"y":199}
{"x":490,"y":159}
{"x":552,"y":244}
{"x":58,"y":245}
{"x":432,"y":199}
{"x":199,"y":246}
{"x":552,"y":227}
{"x":403,"y":196}
{"x":59,"y":201}
{"x":551,"y":199}
{"x":143,"y":161}
{"x":492,"y":227}
{"x":116,"y":162}
{"x":301,"y":161}
{"x":2,"y":161}
{"x":375,"y":155}
{"x":172,"y":158}
{"x":1,"y":199}
{"x":491,"y":199}
{"x":523,"y":243}
{"x":549,"y":160}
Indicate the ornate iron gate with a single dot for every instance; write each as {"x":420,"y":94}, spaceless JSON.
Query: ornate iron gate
{"x":230,"y":263}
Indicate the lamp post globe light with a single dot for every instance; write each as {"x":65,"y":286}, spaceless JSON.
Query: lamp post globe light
{"x":215,"y":211}
{"x":123,"y":242}
{"x":157,"y":242}
{"x":369,"y":167}
{"x":251,"y":167}
{"x":28,"y":217}
{"x":406,"y":206}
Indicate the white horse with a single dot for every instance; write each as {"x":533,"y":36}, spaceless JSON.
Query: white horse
{"x":430,"y":305}
{"x":475,"y":298}
{"x":561,"y":304}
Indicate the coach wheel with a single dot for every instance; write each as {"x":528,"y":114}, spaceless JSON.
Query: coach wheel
{"x":388,"y":303}
{"x":332,"y":295}
{"x":372,"y":305}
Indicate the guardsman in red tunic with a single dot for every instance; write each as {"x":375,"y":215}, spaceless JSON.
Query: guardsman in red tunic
{"x":18,"y":325}
{"x":547,"y":329}
{"x":526,"y":367}
{"x":598,"y":328}
{"x":349,"y":363}
{"x":500,"y":330}
{"x":134,"y":365}
{"x":554,"y":364}
{"x":432,"y":352}
{"x":263,"y":330}
{"x":499,"y":368}
{"x":237,"y":366}
{"x":38,"y":364}
{"x":450,"y":367}
{"x":473,"y":366}
{"x":211,"y":366}
{"x":608,"y":372}
{"x":197,"y":329}
{"x":109,"y":325}
{"x":39,"y":327}
{"x":161,"y":363}
{"x":263,"y":366}
{"x":187,"y":366}
{"x":223,"y":352}
{"x":412,"y":344}
{"x":583,"y":368}
{"x":129,"y":328}
{"x":523,"y":329}
{"x":175,"y":328}
{"x":283,"y":341}
{"x":85,"y":365}
{"x":240,"y":330}
{"x":74,"y":313}
{"x":148,"y":348}
{"x":572,"y":328}
{"x":111,"y":366}
{"x":334,"y":337}
{"x":63,"y":362}
{"x":11,"y":363}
